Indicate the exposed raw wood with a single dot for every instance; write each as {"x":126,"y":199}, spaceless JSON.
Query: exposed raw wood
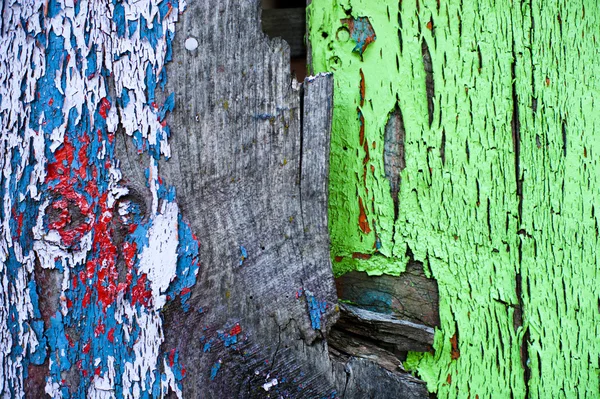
{"x":246,"y":161}
{"x":365,"y":379}
{"x":343,"y":345}
{"x":250,"y":164}
{"x":404,"y":335}
{"x":411,"y":296}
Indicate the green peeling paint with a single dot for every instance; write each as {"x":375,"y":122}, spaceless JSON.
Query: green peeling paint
{"x":506,"y":221}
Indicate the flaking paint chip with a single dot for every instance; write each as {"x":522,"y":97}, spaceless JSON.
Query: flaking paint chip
{"x":361,"y":31}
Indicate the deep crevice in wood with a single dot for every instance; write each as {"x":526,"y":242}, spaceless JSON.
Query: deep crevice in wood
{"x":429,"y":82}
{"x":564,"y":137}
{"x":382,"y":318}
{"x":516,"y":132}
{"x":393,"y":155}
{"x":443,"y":147}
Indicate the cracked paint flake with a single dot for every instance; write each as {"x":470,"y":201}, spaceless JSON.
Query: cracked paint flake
{"x":497,"y":189}
{"x":361,"y":31}
{"x":70,"y":73}
{"x":316,"y":308}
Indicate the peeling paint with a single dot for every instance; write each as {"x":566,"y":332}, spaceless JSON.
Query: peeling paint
{"x":243,"y":254}
{"x":316,"y":308}
{"x":270,"y":384}
{"x":361,"y":31}
{"x":71,"y":73}
{"x":496,"y":189}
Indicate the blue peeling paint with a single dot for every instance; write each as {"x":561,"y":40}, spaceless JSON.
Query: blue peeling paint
{"x":214,"y":370}
{"x":316,"y":309}
{"x":362,"y":33}
{"x":376,"y":301}
{"x":119,"y":18}
{"x":82,"y":337}
{"x":243,"y":255}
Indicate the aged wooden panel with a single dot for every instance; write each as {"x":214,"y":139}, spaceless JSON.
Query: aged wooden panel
{"x":411,"y":296}
{"x":249,"y":162}
{"x":164,"y":220}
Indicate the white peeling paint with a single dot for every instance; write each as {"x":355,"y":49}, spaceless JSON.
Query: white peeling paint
{"x":18,"y":52}
{"x":159,"y":259}
{"x":268,"y":385}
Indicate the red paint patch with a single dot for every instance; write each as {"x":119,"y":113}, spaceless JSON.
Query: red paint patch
{"x":99,"y":328}
{"x":361,"y":133}
{"x":362,"y":87}
{"x":235,"y":330}
{"x":172,"y":357}
{"x":455,"y":353}
{"x":104,"y":107}
{"x":139,"y":293}
{"x":362,"y":218}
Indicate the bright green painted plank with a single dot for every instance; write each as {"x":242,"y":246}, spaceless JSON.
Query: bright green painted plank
{"x":462,"y":217}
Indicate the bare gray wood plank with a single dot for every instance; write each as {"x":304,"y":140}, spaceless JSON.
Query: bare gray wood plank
{"x":404,"y":335}
{"x":250,"y":151}
{"x":236,"y":162}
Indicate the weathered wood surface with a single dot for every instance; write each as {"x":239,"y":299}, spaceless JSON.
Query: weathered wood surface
{"x":249,"y":162}
{"x":404,"y":335}
{"x":113,"y":185}
{"x":250,"y":169}
{"x":411,"y":296}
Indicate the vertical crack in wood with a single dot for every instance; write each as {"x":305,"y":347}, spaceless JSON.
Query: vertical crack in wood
{"x":516,"y":133}
{"x":400,"y":41}
{"x":531,"y":41}
{"x":394,"y":160}
{"x":564,"y":137}
{"x":443,"y":147}
{"x":429,"y":82}
{"x":516,"y":137}
{"x":301,"y":111}
{"x":518,"y":323}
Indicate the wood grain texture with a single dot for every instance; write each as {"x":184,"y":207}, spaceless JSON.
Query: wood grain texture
{"x":250,"y":149}
{"x":404,"y":335}
{"x":236,"y":164}
{"x":411,"y":296}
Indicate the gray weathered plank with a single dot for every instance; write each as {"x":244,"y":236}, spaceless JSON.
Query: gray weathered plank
{"x":249,"y":161}
{"x":404,"y":335}
{"x":237,"y":152}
